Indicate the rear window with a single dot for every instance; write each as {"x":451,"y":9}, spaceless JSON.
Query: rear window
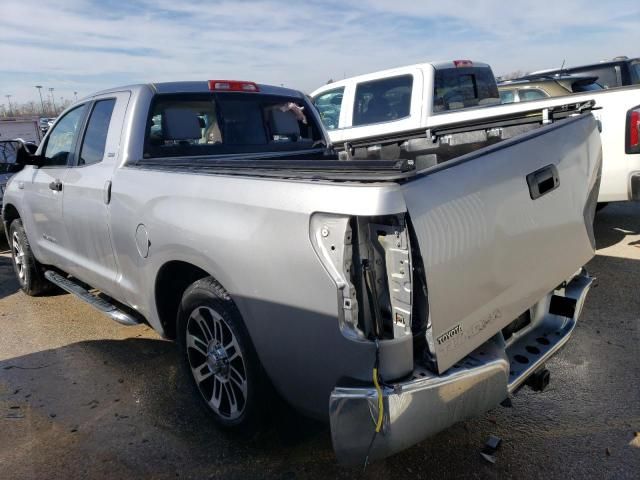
{"x":228,"y":123}
{"x":457,"y":88}
{"x":585,"y":87}
{"x":608,"y":76}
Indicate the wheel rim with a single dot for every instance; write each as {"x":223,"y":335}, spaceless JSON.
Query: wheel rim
{"x":216,"y":362}
{"x":18,"y":256}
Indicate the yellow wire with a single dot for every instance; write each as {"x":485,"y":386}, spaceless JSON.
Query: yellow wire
{"x":380,"y":401}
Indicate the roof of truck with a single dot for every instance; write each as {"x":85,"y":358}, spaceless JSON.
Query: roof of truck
{"x":438,"y":65}
{"x":201,"y":86}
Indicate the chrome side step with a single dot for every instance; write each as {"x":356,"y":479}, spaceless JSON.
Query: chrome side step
{"x":98,"y":303}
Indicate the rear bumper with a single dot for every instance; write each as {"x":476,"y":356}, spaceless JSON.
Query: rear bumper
{"x":428,"y":403}
{"x":634,"y":186}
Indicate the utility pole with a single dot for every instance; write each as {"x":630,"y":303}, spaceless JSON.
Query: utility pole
{"x":39,"y":87}
{"x":53,"y":100}
{"x":9,"y":102}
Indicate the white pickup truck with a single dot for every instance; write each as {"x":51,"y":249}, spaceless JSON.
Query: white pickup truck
{"x":413,"y":111}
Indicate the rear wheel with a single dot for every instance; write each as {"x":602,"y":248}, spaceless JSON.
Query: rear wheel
{"x":219,"y":357}
{"x":29,"y":272}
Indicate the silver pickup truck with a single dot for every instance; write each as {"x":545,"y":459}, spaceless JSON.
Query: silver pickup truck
{"x":389,"y":300}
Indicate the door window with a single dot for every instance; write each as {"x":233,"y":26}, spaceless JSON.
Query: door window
{"x":382,"y":100}
{"x":529,"y":94}
{"x":507,"y":96}
{"x":95,"y":137}
{"x":329,"y":105}
{"x":61,"y":138}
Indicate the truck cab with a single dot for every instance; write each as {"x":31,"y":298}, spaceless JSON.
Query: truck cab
{"x":402,"y":99}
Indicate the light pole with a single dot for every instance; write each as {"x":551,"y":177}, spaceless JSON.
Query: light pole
{"x":39,"y":87}
{"x":53,"y":100}
{"x":9,"y":102}
{"x":75,"y":94}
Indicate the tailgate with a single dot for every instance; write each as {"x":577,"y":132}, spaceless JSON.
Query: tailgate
{"x":500,"y":228}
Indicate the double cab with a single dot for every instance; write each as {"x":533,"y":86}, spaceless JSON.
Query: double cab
{"x":387,"y":297}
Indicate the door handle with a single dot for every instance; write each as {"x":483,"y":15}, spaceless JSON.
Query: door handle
{"x":56,"y":186}
{"x":106,"y":193}
{"x":543,"y":181}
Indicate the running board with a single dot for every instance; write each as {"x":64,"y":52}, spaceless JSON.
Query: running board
{"x":109,"y":309}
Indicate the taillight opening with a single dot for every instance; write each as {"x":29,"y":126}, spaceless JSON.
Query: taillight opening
{"x":633,"y":131}
{"x":232,"y":86}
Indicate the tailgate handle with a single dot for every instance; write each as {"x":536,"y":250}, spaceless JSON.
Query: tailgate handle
{"x":543,"y":181}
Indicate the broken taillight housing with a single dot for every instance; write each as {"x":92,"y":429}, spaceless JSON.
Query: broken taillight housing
{"x":369,"y":259}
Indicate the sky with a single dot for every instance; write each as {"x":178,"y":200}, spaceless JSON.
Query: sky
{"x":87,"y":45}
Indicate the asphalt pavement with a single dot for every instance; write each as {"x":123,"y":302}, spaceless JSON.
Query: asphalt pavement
{"x":83,"y":397}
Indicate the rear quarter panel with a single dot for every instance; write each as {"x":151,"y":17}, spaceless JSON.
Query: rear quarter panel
{"x":252,"y":235}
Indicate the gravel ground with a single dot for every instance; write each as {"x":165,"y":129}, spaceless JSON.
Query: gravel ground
{"x":82,"y":397}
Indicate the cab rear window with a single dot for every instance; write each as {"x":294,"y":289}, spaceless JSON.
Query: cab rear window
{"x":457,"y":88}
{"x":227,"y":123}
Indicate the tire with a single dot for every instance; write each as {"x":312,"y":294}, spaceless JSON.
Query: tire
{"x":226,"y":375}
{"x":28,"y":270}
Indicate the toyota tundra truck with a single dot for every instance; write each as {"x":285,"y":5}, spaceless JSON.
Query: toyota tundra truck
{"x":388,"y":298}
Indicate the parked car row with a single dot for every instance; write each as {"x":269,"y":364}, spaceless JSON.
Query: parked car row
{"x":400,"y":253}
{"x":46,"y":123}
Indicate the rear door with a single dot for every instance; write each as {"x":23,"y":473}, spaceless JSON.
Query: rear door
{"x":378,"y":109}
{"x":87,"y":196}
{"x":500,"y":228}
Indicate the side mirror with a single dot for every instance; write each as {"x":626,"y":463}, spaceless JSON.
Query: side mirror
{"x":29,"y":159}
{"x":15,"y":154}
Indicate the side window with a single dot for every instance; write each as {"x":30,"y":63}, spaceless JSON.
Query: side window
{"x":529,"y":94}
{"x":329,"y":105}
{"x":60,"y":141}
{"x":507,"y":96}
{"x":382,"y":100}
{"x":95,"y":137}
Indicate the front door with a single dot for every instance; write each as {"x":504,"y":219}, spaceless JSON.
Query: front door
{"x":44,"y":191}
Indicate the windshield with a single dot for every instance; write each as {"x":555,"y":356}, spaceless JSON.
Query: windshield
{"x":457,"y":88}
{"x":229,"y":123}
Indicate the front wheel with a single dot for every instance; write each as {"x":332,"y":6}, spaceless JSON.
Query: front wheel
{"x":29,"y":272}
{"x":220,"y":358}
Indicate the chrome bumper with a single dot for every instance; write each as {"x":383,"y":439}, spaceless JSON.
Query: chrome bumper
{"x":428,"y":403}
